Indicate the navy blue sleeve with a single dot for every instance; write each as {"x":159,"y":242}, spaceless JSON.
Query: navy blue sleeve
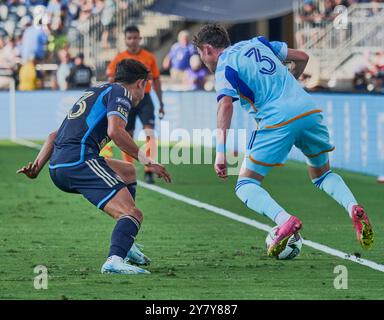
{"x":118,"y":102}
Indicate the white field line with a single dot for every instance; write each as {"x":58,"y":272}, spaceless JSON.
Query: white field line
{"x":231,"y":215}
{"x":27,"y":143}
{"x":234,"y":216}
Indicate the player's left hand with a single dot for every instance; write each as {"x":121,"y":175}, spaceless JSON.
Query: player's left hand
{"x":161,"y":112}
{"x":31,"y":170}
{"x":221,"y":165}
{"x":160,"y":171}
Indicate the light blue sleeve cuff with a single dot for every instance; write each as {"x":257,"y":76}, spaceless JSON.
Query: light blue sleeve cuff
{"x":220,"y":147}
{"x":227,"y":92}
{"x":280,"y":49}
{"x":283,"y":53}
{"x":116,"y":113}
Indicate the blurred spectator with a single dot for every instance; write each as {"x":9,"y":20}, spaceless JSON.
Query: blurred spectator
{"x":36,"y":2}
{"x":98,"y":6}
{"x":33,"y":41}
{"x":9,"y":54}
{"x":196,"y":75}
{"x":369,"y":75}
{"x":28,"y":76}
{"x":310,"y":19}
{"x":81,"y":75}
{"x":8,"y":59}
{"x":63,"y":70}
{"x":86,"y":7}
{"x":328,"y":11}
{"x":377,"y":72}
{"x":108,"y":22}
{"x":360,"y":80}
{"x":73,"y":11}
{"x":57,"y":12}
{"x":54,"y":8}
{"x":344,"y":3}
{"x":376,"y":6}
{"x":177,"y":60}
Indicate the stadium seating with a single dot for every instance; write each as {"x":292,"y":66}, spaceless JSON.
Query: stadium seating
{"x":338,"y":38}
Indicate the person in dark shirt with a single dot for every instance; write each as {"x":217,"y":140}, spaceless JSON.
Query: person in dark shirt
{"x":99,"y":116}
{"x":81,"y":75}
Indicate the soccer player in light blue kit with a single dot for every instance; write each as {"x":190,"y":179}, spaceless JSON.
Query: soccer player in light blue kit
{"x":285,"y":115}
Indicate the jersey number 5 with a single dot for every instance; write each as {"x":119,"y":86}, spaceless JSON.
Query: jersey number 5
{"x":82,"y":105}
{"x":260,"y":58}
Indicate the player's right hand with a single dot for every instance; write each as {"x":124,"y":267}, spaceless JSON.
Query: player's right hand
{"x":30,"y":170}
{"x":221,"y":165}
{"x":161,"y":112}
{"x":160,"y":171}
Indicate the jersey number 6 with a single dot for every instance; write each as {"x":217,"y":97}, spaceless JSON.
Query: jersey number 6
{"x":260,"y":58}
{"x":82,"y":106}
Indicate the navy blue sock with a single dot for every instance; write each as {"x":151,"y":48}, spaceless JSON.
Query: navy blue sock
{"x":123,"y":236}
{"x":132,"y":189}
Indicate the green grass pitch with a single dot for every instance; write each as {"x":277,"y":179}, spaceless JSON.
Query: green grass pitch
{"x":195,"y":253}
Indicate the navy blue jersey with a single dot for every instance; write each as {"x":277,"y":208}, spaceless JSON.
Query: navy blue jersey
{"x":83,"y":133}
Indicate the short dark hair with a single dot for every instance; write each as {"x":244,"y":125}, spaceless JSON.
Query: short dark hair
{"x":213,"y":34}
{"x":131,"y":28}
{"x":129,"y":71}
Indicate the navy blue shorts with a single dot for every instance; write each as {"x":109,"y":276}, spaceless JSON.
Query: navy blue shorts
{"x":145,"y":110}
{"x":93,"y":178}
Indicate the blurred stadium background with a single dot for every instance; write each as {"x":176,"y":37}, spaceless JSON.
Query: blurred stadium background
{"x":43,"y":42}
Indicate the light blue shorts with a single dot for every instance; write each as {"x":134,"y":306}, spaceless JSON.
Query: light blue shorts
{"x":268,"y":148}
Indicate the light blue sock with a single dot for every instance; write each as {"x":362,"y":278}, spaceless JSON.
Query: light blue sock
{"x":335,"y":186}
{"x":256,"y":198}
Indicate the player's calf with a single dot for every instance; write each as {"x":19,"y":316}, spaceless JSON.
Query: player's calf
{"x":129,"y":219}
{"x":250,"y":192}
{"x":122,"y":240}
{"x":334,"y":185}
{"x":258,"y":199}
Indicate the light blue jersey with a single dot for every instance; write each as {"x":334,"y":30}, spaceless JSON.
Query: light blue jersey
{"x":253,"y":72}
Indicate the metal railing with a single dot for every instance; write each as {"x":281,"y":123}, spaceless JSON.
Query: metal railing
{"x":306,"y":25}
{"x":352,"y":30}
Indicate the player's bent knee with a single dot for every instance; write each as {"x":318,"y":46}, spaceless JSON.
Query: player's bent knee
{"x":122,"y":204}
{"x":137,"y":214}
{"x":319,"y":161}
{"x":317,"y":172}
{"x":132,"y":211}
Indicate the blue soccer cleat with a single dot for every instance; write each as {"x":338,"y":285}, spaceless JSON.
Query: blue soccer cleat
{"x":116,"y":265}
{"x":135,"y":256}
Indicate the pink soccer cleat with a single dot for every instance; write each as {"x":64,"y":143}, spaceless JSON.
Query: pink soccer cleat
{"x":283,"y":233}
{"x":362,"y":226}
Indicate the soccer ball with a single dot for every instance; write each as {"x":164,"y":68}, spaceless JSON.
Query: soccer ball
{"x":293,"y":248}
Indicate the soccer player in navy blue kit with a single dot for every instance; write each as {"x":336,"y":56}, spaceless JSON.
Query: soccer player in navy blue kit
{"x":99,"y":116}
